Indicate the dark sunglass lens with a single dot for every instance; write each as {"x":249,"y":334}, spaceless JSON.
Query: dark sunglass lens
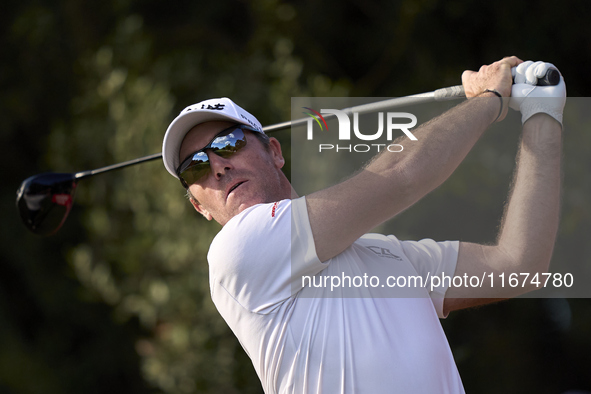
{"x":229,"y":150}
{"x":193,"y":174}
{"x":226,"y":145}
{"x":196,"y":168}
{"x":229,"y":141}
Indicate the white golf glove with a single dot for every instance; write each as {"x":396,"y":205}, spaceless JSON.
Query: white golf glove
{"x":531,"y":99}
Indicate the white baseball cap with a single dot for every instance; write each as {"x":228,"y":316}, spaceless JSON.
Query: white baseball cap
{"x":204,"y":111}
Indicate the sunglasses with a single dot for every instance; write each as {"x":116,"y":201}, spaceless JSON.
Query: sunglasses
{"x":224,"y":144}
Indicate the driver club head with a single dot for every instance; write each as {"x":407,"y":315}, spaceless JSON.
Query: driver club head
{"x":45,"y":200}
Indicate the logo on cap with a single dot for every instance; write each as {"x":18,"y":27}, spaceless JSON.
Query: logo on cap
{"x":254,"y":125}
{"x":219,"y":107}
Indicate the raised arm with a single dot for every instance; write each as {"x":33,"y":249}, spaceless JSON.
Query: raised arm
{"x":393,"y":182}
{"x":530,"y":223}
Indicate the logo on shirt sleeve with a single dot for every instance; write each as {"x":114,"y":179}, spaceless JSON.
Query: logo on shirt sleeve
{"x":383,"y":252}
{"x":274,"y":209}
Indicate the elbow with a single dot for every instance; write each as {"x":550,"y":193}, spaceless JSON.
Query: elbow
{"x":532,"y":263}
{"x":524,"y":272}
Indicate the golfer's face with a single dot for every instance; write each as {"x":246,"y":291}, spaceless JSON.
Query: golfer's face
{"x":248,"y":177}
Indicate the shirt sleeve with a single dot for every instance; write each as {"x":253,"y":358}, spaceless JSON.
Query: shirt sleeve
{"x":258,"y":255}
{"x":431,"y":259}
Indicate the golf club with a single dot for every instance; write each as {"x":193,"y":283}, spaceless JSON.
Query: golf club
{"x":45,"y":200}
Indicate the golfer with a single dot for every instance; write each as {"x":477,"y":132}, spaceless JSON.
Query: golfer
{"x":272,"y":264}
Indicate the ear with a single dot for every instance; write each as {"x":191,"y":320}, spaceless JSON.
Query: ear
{"x":199,"y":208}
{"x":278,"y":158}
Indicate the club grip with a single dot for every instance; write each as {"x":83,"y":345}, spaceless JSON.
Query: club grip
{"x":449,"y":93}
{"x":551,"y":78}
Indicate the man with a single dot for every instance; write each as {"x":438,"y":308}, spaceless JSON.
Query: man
{"x":304,"y":338}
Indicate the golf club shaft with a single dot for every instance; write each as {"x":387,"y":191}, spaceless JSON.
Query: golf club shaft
{"x":552,"y":77}
{"x":86,"y":174}
{"x":449,"y":93}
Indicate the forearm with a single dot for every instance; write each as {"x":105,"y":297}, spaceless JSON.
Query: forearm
{"x":530,"y":223}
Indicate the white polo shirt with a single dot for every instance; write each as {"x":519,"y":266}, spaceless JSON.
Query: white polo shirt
{"x":304,"y":334}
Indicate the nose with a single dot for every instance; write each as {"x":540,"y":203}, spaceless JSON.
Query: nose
{"x":219,"y":165}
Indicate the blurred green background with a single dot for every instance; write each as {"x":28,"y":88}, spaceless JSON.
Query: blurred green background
{"x":118,"y":300}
